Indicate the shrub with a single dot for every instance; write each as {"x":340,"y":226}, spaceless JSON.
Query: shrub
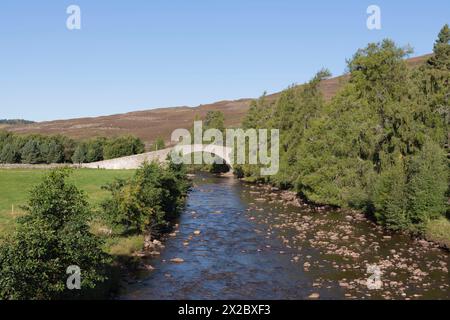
{"x":149,"y":200}
{"x":51,"y":237}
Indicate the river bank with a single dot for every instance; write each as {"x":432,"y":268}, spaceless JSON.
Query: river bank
{"x":240,"y":241}
{"x":437,"y":232}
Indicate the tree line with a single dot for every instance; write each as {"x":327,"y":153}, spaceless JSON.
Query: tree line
{"x":39,"y":149}
{"x":15,"y":121}
{"x":379,"y":145}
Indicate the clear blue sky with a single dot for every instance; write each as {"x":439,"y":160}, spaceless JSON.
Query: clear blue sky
{"x":142,"y":54}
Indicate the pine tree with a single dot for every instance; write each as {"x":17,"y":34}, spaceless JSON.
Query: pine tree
{"x":441,"y":58}
{"x":31,"y":152}
{"x":390,"y":197}
{"x":428,"y":183}
{"x":9,"y":154}
{"x":80,"y":154}
{"x":55,"y":152}
{"x":435,"y":84}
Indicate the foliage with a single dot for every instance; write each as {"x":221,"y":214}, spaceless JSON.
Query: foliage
{"x":377,"y":145}
{"x":36,"y":149}
{"x":428,"y":183}
{"x":16,"y":184}
{"x":159,"y":144}
{"x":122,"y":146}
{"x":149,"y":200}
{"x":80,"y":154}
{"x":214,"y":120}
{"x":51,"y":237}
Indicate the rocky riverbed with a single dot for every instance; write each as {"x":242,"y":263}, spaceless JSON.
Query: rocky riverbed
{"x":239,"y":241}
{"x":348,"y":243}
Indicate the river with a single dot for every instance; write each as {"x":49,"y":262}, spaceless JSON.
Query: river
{"x":239,"y":241}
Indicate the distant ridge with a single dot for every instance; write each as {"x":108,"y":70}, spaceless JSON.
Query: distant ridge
{"x":150,"y":124}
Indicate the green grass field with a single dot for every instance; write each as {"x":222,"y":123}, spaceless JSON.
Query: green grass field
{"x":15,"y":185}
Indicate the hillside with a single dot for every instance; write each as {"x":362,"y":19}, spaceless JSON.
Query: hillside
{"x":150,"y":124}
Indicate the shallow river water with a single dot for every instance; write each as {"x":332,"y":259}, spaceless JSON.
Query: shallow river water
{"x":241,"y":241}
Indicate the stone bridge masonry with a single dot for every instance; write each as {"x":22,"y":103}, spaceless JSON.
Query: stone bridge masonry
{"x":135,"y":161}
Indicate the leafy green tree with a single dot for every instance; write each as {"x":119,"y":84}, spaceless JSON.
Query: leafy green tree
{"x":51,"y":237}
{"x":179,"y":171}
{"x":151,"y":199}
{"x":123,"y":146}
{"x":95,"y":149}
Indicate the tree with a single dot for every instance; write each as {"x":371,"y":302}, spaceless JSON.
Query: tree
{"x":69,"y":146}
{"x":9,"y":153}
{"x":95,"y":150}
{"x":80,"y":154}
{"x":433,"y":80}
{"x":295,"y":110}
{"x":390,"y":197}
{"x":159,"y":144}
{"x":123,"y":146}
{"x":428,"y":183}
{"x":51,"y":237}
{"x":31,"y":152}
{"x":149,"y":200}
{"x":441,"y":57}
{"x":214,"y":120}
{"x":55,"y":152}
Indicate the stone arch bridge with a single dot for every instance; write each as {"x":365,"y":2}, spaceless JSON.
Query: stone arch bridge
{"x":135,"y":161}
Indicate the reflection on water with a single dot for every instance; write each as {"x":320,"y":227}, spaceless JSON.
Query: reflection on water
{"x":240,"y":242}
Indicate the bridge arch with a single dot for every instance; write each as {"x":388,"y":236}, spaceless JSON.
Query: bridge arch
{"x":135,"y":161}
{"x":220,"y":151}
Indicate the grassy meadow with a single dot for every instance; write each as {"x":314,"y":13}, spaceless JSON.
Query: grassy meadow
{"x":15,"y":185}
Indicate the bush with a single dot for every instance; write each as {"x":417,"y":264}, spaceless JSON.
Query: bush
{"x":151,"y":199}
{"x":51,"y":237}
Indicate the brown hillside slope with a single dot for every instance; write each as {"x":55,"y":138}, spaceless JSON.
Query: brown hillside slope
{"x":150,"y":124}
